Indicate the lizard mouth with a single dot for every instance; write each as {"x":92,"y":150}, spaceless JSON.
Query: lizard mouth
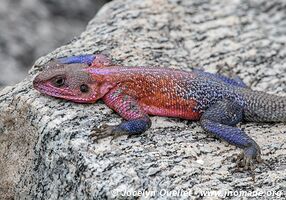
{"x":50,"y":90}
{"x":62,"y":93}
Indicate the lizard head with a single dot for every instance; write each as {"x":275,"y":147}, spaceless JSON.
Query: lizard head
{"x":69,"y":81}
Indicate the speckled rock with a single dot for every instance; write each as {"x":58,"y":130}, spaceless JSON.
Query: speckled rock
{"x":45,"y":152}
{"x":31,"y":28}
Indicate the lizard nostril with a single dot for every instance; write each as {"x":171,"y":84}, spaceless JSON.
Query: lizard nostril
{"x":36,"y":81}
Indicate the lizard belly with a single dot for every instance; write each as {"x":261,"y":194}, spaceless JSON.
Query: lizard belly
{"x":169,"y":112}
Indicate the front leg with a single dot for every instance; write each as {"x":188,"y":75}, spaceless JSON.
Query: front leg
{"x":220,"y":119}
{"x":128,"y":108}
{"x":93,"y":60}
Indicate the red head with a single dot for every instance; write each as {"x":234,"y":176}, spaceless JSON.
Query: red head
{"x":71,"y":82}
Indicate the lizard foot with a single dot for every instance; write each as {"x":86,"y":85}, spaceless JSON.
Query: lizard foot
{"x":105,"y":131}
{"x":247,"y":158}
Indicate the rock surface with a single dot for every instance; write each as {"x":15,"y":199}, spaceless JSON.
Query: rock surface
{"x":32,"y":28}
{"x":45,"y":152}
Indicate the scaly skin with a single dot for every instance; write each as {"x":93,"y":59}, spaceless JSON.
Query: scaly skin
{"x":220,"y":103}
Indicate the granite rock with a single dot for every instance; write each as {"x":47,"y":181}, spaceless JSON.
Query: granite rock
{"x":31,"y":28}
{"x":45,"y":151}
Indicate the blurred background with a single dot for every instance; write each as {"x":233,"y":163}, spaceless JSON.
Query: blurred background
{"x":33,"y":28}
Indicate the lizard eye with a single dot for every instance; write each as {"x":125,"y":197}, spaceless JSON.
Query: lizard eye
{"x":84,"y":88}
{"x":59,"y":81}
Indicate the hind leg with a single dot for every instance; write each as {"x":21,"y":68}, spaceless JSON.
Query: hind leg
{"x":220,"y":119}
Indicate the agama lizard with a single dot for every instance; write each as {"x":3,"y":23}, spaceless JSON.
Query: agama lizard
{"x":218,"y":102}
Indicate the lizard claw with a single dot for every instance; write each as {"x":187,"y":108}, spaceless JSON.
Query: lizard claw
{"x":105,"y":131}
{"x":101,"y":132}
{"x":247,"y":158}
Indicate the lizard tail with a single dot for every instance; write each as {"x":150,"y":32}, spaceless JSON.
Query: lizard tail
{"x":263,"y":107}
